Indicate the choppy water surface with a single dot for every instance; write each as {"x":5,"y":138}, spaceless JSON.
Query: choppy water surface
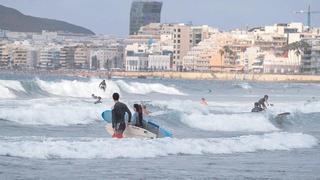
{"x":50,"y":129}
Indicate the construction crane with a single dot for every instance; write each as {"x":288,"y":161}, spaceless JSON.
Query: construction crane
{"x":309,"y":12}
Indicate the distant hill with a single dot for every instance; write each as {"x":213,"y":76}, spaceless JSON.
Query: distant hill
{"x":13,"y":20}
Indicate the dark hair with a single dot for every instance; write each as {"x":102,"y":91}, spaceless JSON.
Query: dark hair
{"x":115,"y":96}
{"x":266,"y":96}
{"x":138,"y":108}
{"x":256,"y":104}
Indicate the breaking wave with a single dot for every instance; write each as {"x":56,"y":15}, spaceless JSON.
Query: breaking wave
{"x":229,"y":122}
{"x":89,"y":148}
{"x":145,"y":88}
{"x":52,"y":112}
{"x":8,"y":87}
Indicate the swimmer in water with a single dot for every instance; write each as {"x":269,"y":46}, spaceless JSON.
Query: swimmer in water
{"x":204,"y":102}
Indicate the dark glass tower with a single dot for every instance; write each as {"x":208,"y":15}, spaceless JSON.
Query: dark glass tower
{"x":143,"y":13}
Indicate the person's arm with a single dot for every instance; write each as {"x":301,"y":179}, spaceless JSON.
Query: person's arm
{"x":129,"y":113}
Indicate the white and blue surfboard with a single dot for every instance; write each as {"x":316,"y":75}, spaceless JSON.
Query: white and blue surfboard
{"x":148,"y":125}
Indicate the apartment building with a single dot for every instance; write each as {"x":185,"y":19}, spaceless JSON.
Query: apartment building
{"x":49,"y":57}
{"x":81,"y":57}
{"x":66,"y":58}
{"x":136,"y":57}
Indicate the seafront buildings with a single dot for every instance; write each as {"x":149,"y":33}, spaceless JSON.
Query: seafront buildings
{"x":280,"y":48}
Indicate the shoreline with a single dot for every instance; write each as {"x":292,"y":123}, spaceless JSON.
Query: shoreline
{"x":174,"y":75}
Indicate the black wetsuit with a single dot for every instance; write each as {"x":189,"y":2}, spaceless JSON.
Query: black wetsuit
{"x":256,"y":109}
{"x":103,"y":85}
{"x":262,"y":102}
{"x":118,"y":116}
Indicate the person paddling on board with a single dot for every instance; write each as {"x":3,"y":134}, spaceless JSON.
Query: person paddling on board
{"x":137,"y":116}
{"x":263,"y":102}
{"x":118,"y":116}
{"x":103,"y":85}
{"x":256,"y":108}
{"x":98,"y":99}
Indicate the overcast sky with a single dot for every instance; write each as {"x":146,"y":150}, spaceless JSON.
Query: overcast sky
{"x":112,"y":16}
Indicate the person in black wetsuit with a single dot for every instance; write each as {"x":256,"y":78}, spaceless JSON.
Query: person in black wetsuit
{"x":103,"y":85}
{"x":263,"y":102}
{"x":118,"y":116}
{"x":256,"y":108}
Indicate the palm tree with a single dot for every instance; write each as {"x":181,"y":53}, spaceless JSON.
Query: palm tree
{"x":221,"y":52}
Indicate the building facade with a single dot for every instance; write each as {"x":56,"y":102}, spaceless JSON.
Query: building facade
{"x":143,"y":13}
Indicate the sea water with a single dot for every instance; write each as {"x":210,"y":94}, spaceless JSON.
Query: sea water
{"x":50,"y":128}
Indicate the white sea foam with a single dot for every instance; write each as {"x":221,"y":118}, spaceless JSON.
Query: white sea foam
{"x":52,"y":112}
{"x":5,"y":92}
{"x":7,"y":86}
{"x":145,"y":88}
{"x":247,"y":122}
{"x":88,"y":148}
{"x":243,"y":85}
{"x":78,"y":88}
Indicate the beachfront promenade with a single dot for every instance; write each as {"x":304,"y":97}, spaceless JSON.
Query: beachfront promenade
{"x":177,"y":75}
{"x":221,"y":76}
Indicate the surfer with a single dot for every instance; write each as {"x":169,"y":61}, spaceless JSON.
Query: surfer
{"x":204,"y":102}
{"x":256,"y":108}
{"x":137,"y":116}
{"x":103,"y":85}
{"x":98,"y":99}
{"x":145,"y":111}
{"x":118,"y":116}
{"x":263,"y":102}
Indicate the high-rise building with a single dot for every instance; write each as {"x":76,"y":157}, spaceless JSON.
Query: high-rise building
{"x":143,"y":13}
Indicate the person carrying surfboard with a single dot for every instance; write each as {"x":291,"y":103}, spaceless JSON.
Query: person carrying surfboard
{"x":118,"y":116}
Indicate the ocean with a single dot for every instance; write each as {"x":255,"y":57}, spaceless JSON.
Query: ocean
{"x":50,"y":128}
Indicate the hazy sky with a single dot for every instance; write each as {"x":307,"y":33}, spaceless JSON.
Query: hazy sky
{"x":112,"y":16}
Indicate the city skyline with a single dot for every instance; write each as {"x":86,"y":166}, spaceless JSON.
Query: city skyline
{"x":101,"y":14}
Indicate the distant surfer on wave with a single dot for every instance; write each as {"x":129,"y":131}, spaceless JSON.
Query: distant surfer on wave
{"x":98,"y":99}
{"x":263,"y":102}
{"x":118,"y":116}
{"x":103,"y":85}
{"x":256,"y":108}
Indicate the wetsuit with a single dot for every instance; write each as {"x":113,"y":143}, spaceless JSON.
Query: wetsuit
{"x":262,"y":102}
{"x":256,"y":109}
{"x":103,"y":85}
{"x":118,"y":117}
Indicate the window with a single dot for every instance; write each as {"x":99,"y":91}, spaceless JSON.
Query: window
{"x":179,"y":30}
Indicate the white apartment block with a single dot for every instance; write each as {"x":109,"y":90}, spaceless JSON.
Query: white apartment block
{"x":160,"y":62}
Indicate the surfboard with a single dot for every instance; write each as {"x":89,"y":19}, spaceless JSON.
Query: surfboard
{"x":283,"y":115}
{"x":148,"y":125}
{"x":133,"y":132}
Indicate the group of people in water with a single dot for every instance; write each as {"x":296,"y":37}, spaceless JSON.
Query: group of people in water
{"x":119,"y":110}
{"x":261,"y":104}
{"x":118,"y":116}
{"x":136,"y":119}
